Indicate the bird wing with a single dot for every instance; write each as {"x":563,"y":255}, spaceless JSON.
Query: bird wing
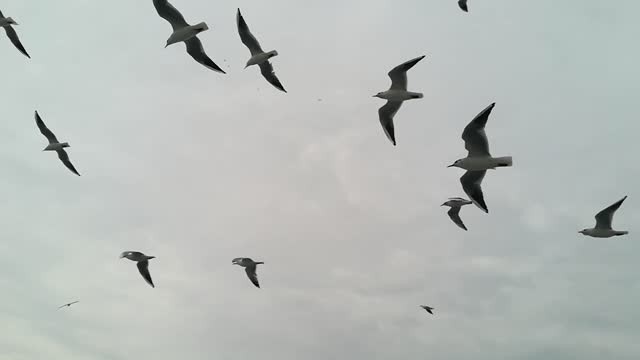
{"x":64,"y":157}
{"x":170,"y":13}
{"x":253,"y":276}
{"x":386,"y":113}
{"x":471,"y":182}
{"x":463,"y":5}
{"x":13,"y":36}
{"x":605,"y":217}
{"x":143,"y":267}
{"x":44,"y":130}
{"x":475,"y":139}
{"x":195,"y":49}
{"x":398,"y":74}
{"x":454,"y":214}
{"x":267,"y":71}
{"x":247,"y":37}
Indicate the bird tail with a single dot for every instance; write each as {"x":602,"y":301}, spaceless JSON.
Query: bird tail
{"x":202,"y":26}
{"x":417,"y":95}
{"x":273,"y":53}
{"x":65,"y":144}
{"x":504,"y":161}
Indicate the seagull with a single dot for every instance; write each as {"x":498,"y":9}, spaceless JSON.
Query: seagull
{"x":182,"y":31}
{"x":249,"y":267}
{"x":478,"y":159}
{"x":258,"y":56}
{"x":6,"y":23}
{"x":68,"y":304}
{"x":143,"y":264}
{"x":428,"y":308}
{"x":463,"y":5}
{"x":603,"y":223}
{"x":454,"y":213}
{"x":396,"y":94}
{"x":54,"y":145}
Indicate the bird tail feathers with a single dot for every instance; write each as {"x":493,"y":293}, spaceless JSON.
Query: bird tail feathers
{"x":504,"y":161}
{"x":202,"y":26}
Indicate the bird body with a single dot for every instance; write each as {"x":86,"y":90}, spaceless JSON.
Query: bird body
{"x":8,"y":21}
{"x":259,"y":58}
{"x":604,"y":220}
{"x":186,"y":33}
{"x":56,"y":146}
{"x":398,"y":95}
{"x":477,"y":163}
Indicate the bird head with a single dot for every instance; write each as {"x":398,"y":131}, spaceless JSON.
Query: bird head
{"x":378,"y":95}
{"x":583,"y":232}
{"x":456,"y":163}
{"x":236,"y":261}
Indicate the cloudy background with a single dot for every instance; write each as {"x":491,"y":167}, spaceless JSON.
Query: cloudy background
{"x":198,"y":168}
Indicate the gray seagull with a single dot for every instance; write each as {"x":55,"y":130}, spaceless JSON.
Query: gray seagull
{"x":249,"y":267}
{"x":427,"y":308}
{"x":258,"y":56}
{"x":55,"y":145}
{"x":6,"y":23}
{"x":182,"y":31}
{"x":604,"y":221}
{"x":396,"y":94}
{"x":68,"y":304}
{"x":142,"y":263}
{"x":455,"y":204}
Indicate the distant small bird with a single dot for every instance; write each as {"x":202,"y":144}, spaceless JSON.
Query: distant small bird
{"x":6,"y":23}
{"x":68,"y":304}
{"x":249,"y":267}
{"x":604,"y":220}
{"x":258,"y":56}
{"x":428,"y":308}
{"x":55,"y":145}
{"x":182,"y":31}
{"x":479,"y":158}
{"x":143,"y":264}
{"x":455,"y":204}
{"x":396,"y":94}
{"x":463,"y":5}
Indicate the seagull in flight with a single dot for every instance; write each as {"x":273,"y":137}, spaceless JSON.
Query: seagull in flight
{"x":427,"y":308}
{"x":249,"y":267}
{"x":6,"y":23}
{"x":258,"y":56}
{"x":182,"y":31}
{"x":143,"y":264}
{"x":55,"y":145}
{"x":68,"y":304}
{"x":396,"y":94}
{"x":603,"y":223}
{"x":455,"y":204}
{"x":479,"y":159}
{"x":463,"y":5}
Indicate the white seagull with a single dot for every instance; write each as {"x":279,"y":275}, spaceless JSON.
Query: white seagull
{"x":258,"y":56}
{"x":396,"y":94}
{"x":455,"y":204}
{"x":68,"y":304}
{"x":143,"y":264}
{"x":6,"y":23}
{"x":182,"y":31}
{"x":463,"y":5}
{"x":55,"y":145}
{"x":249,"y":267}
{"x":479,"y":159}
{"x":603,"y":223}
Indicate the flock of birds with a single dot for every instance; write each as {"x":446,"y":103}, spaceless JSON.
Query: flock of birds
{"x":476,"y":163}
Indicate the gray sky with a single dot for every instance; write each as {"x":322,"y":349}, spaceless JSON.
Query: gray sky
{"x":198,"y":168}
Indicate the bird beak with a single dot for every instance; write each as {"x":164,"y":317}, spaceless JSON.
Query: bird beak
{"x":166,"y":46}
{"x":376,"y":95}
{"x":452,"y":165}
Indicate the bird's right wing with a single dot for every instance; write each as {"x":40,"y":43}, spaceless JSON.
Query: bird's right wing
{"x":386,"y":113}
{"x":267,"y":72}
{"x":463,"y":5}
{"x":471,"y":184}
{"x":253,"y":276}
{"x":44,"y":130}
{"x":143,"y":267}
{"x":246,"y":36}
{"x":475,"y":139}
{"x":64,"y":157}
{"x":13,"y":36}
{"x":170,"y":13}
{"x":454,"y":214}
{"x":604,"y":218}
{"x":195,"y":49}
{"x":398,"y":74}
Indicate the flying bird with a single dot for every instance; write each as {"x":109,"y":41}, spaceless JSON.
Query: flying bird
{"x":258,"y":56}
{"x":427,"y":308}
{"x":604,"y":220}
{"x":249,"y":267}
{"x":143,"y":264}
{"x":463,"y":5}
{"x":6,"y":23}
{"x":68,"y":304}
{"x":455,"y":204}
{"x":55,"y":145}
{"x":396,"y":94}
{"x":182,"y":31}
{"x":479,"y":158}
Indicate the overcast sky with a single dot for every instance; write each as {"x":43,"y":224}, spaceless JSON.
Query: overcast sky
{"x":197,"y":168}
